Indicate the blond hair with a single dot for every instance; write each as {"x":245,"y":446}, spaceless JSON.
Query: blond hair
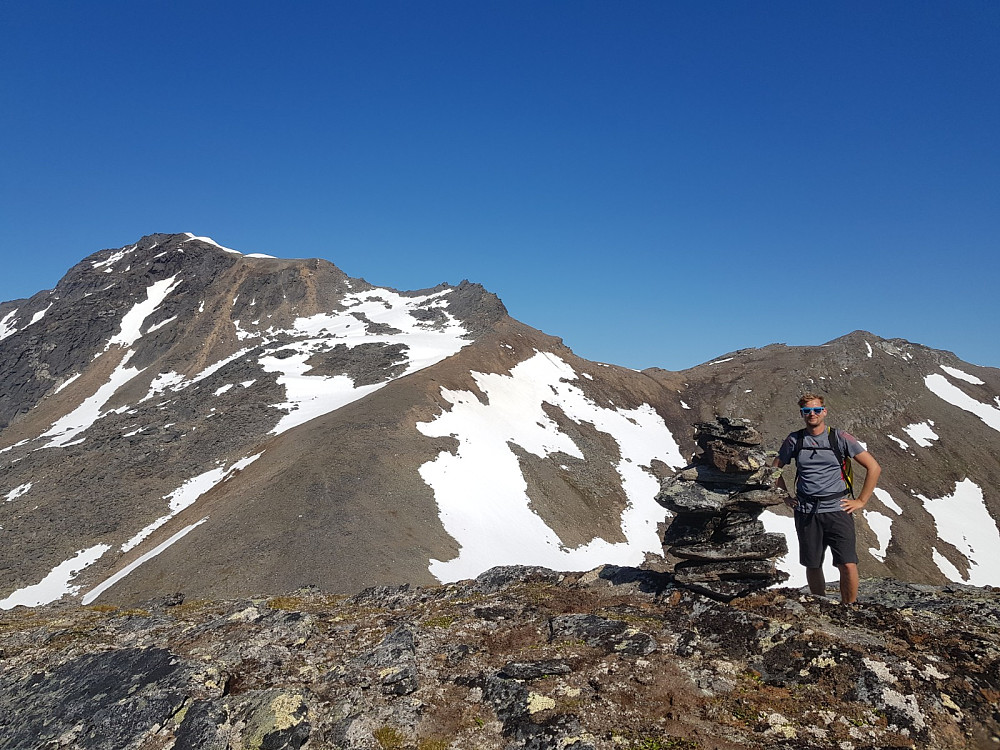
{"x":807,"y":397}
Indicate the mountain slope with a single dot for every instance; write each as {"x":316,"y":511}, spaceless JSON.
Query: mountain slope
{"x":179,"y":417}
{"x":930,"y":419}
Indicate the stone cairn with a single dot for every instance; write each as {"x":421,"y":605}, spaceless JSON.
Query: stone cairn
{"x":724,"y":549}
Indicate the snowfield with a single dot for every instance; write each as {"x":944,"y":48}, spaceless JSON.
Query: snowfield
{"x":495,"y":524}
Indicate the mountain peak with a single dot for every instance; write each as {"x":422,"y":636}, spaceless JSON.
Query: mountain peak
{"x":177,"y":416}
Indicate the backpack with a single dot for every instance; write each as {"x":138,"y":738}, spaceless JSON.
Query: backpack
{"x":846,"y":465}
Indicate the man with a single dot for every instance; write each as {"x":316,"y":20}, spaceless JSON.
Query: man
{"x":822,"y":502}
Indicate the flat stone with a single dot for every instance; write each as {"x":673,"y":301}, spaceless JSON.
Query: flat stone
{"x":682,"y":496}
{"x":755,"y":501}
{"x":761,"y":478}
{"x":730,"y":429}
{"x":690,"y":528}
{"x":600,"y":632}
{"x":695,"y":572}
{"x":730,"y":458}
{"x":759,"y":547}
{"x":532,"y":670}
{"x":726,"y":591}
{"x":735,"y":530}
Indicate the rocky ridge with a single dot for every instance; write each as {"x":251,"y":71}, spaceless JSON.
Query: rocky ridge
{"x":518,"y":658}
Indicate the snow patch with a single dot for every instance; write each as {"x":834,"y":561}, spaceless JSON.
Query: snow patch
{"x":7,"y":327}
{"x":881,"y":525}
{"x":158,"y":326}
{"x":113,"y":258}
{"x":66,"y":382}
{"x":940,"y":387}
{"x":259,"y":255}
{"x":210,"y":241}
{"x":921,"y":433}
{"x":869,"y":347}
{"x":902,"y":444}
{"x":95,"y":592}
{"x":65,"y":430}
{"x":17,"y":492}
{"x":131,"y":325}
{"x":310,"y":396}
{"x":57,"y":583}
{"x":887,"y":500}
{"x":188,"y":493}
{"x":496,"y":525}
{"x":39,"y":315}
{"x":161,"y":382}
{"x":944,"y":565}
{"x":956,"y":373}
{"x":963,"y":521}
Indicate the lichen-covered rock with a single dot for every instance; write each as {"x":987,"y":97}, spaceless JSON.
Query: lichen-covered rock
{"x":697,"y":571}
{"x":726,"y":457}
{"x":755,"y":547}
{"x":685,"y":496}
{"x":576,"y":662}
{"x":730,"y":429}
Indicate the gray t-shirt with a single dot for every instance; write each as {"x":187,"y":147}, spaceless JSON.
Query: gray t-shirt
{"x":817,"y":472}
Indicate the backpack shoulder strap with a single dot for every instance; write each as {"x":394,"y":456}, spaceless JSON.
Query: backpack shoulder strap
{"x":846,"y":469}
{"x":800,"y":436}
{"x":833,"y":436}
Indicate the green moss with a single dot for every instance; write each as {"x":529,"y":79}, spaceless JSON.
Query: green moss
{"x":441,"y":621}
{"x":666,"y":742}
{"x":388,"y":738}
{"x":286,"y":603}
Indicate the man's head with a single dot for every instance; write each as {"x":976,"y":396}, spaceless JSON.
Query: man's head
{"x":807,"y":397}
{"x":813,"y":410}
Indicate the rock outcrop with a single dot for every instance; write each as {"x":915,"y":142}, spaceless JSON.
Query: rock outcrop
{"x":717,"y":501}
{"x":520,"y":658}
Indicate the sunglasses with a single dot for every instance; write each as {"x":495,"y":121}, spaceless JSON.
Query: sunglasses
{"x":811,"y":410}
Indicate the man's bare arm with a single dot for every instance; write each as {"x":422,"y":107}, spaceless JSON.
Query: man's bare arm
{"x":790,"y":501}
{"x":872,"y":473}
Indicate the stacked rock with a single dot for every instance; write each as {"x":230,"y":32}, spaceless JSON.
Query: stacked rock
{"x":717,"y":500}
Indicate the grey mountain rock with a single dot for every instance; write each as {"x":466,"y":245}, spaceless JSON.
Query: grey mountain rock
{"x":744,"y":547}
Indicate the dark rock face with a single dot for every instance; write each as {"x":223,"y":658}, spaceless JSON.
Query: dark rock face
{"x":717,"y":501}
{"x":103,"y":699}
{"x":576,"y":663}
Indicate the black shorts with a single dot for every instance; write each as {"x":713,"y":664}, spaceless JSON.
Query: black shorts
{"x":834,"y":530}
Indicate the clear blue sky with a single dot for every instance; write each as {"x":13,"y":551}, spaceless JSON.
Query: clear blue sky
{"x":656,"y":182}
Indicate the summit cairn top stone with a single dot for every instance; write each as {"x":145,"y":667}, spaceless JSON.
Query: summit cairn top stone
{"x":725,"y":552}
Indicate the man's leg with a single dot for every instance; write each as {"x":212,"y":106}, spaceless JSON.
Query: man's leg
{"x":810,"y":535}
{"x":816,"y":581}
{"x":848,"y":582}
{"x":843,"y":546}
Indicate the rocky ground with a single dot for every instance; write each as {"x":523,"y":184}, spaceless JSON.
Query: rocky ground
{"x":518,"y":658}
